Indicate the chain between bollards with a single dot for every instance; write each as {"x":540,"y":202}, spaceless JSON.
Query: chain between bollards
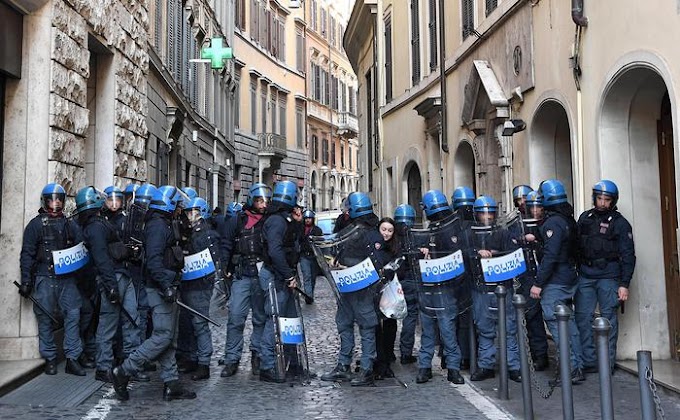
{"x":602,"y":328}
{"x":501,"y":293}
{"x":563,"y":313}
{"x":520,"y":303}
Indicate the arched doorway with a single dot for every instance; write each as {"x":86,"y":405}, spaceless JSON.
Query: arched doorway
{"x":636,"y":151}
{"x":414,"y":189}
{"x":550,"y":146}
{"x":464,"y":167}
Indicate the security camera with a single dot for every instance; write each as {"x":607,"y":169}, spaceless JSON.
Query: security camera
{"x":194,"y":136}
{"x":511,"y":127}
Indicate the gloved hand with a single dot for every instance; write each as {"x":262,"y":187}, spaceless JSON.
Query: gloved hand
{"x":113,"y":295}
{"x":169,"y":295}
{"x":25,"y":289}
{"x":291,"y":282}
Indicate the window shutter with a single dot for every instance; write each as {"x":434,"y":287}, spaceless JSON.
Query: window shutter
{"x":433,"y":35}
{"x":158,"y":25}
{"x":254,"y":25}
{"x":415,"y":42}
{"x":172,"y":36}
{"x":468,"y":17}
{"x":282,"y":41}
{"x":388,"y":60}
{"x":491,"y":6}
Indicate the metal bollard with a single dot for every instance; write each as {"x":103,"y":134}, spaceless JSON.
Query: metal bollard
{"x":644,"y":362}
{"x":473,"y":345}
{"x":601,"y":328}
{"x":563,"y":313}
{"x":501,"y":293}
{"x":520,"y":303}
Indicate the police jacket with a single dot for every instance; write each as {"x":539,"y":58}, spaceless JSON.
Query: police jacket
{"x":365,"y":242}
{"x":409,"y":250}
{"x":44,"y":234}
{"x":107,"y":251}
{"x":282,"y":243}
{"x":558,"y":234}
{"x":116,"y":219}
{"x":202,"y":237}
{"x":239,"y":247}
{"x":305,"y":240}
{"x":164,"y":259}
{"x":605,"y":246}
{"x":341,"y":222}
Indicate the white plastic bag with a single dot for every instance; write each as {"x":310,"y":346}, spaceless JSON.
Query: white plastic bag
{"x":392,"y":301}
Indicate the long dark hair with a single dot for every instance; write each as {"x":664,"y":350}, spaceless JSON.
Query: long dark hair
{"x":393,"y":245}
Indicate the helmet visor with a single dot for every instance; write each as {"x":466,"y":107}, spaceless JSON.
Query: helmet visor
{"x":54,"y":201}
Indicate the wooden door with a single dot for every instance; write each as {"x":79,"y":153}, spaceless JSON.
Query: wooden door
{"x":669,"y":222}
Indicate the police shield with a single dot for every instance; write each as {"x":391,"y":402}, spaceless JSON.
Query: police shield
{"x":133,"y":231}
{"x":496,"y":254}
{"x":442,"y":269}
{"x":337,"y":257}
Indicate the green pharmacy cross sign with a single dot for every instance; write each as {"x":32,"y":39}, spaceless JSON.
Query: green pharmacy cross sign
{"x":216,"y":53}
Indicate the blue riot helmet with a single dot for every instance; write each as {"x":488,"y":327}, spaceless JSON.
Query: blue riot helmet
{"x":197,"y":209}
{"x":553,"y":192}
{"x":534,"y":206}
{"x":308,"y":214}
{"x":258,"y":191}
{"x":190,"y":192}
{"x":519,"y":195}
{"x":485,"y":209}
{"x":144,"y":194}
{"x":359,"y":204}
{"x":285,"y":192}
{"x":89,"y":198}
{"x":234,"y":208}
{"x":462,"y":196}
{"x":405,"y":214}
{"x":607,"y":188}
{"x":130,"y":190}
{"x":52,"y":194}
{"x":114,"y":198}
{"x":434,"y":201}
{"x":167,"y":199}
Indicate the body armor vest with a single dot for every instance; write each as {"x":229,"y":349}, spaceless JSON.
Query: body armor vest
{"x":597,"y":240}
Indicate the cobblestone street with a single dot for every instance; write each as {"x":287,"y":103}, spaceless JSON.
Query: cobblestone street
{"x":244,"y":396}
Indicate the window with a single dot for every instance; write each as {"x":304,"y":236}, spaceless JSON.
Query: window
{"x":388,"y":59}
{"x":254,"y":19}
{"x":333,"y":154}
{"x":343,"y":97}
{"x":253,"y":107}
{"x":468,"y":14}
{"x":352,"y":101}
{"x":315,"y":148}
{"x":282,"y":114}
{"x":240,"y":14}
{"x":263,"y":105}
{"x":415,"y":42}
{"x":432,"y":25}
{"x":324,"y":32}
{"x":313,"y":16}
{"x":174,"y":51}
{"x":272,"y":106}
{"x":350,"y":157}
{"x":334,"y":93}
{"x":332,"y":29}
{"x":237,"y":100}
{"x":326,"y":90}
{"x":491,"y":6}
{"x":324,"y":151}
{"x":299,"y":123}
{"x":158,"y":26}
{"x":300,"y":47}
{"x":342,"y":155}
{"x":316,"y":82}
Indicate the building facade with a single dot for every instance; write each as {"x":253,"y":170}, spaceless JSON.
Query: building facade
{"x":596,"y":86}
{"x":332,"y":124}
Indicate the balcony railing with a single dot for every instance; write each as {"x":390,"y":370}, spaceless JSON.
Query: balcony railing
{"x":348,"y":122}
{"x":273,"y":144}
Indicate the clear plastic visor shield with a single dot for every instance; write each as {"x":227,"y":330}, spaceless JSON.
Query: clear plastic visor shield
{"x":114,"y":201}
{"x":54,"y":201}
{"x":193,"y":214}
{"x":485,"y":216}
{"x":181,"y":198}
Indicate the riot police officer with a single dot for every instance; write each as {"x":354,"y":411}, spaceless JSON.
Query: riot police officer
{"x":308,"y":265}
{"x":113,"y":208}
{"x":50,"y":281}
{"x":117,"y":293}
{"x":358,"y":306}
{"x":555,"y":281}
{"x":242,"y":249}
{"x":408,"y":273}
{"x":490,"y":243}
{"x":438,"y":304}
{"x":519,"y":197}
{"x":278,"y":275}
{"x":233,"y":208}
{"x":164,"y":262}
{"x":196,"y":285}
{"x":606,"y":264}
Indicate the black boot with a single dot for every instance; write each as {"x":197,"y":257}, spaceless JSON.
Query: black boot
{"x":202,"y":372}
{"x":254,"y":362}
{"x":140,"y":377}
{"x":103,"y":376}
{"x":408,"y":359}
{"x":541,"y":363}
{"x":120,"y":383}
{"x":187,"y":366}
{"x":577,"y":377}
{"x":174,"y":391}
{"x":86,"y":362}
{"x":424,"y":375}
{"x":482,"y":374}
{"x":339,"y":373}
{"x":515,"y":375}
{"x":270,"y":375}
{"x":364,"y":378}
{"x":229,"y":370}
{"x":454,"y":376}
{"x":74,"y":368}
{"x":149,"y":367}
{"x":51,"y":367}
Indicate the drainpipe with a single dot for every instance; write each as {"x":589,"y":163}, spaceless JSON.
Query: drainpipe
{"x":443,"y":135}
{"x":581,"y":21}
{"x":376,"y":111}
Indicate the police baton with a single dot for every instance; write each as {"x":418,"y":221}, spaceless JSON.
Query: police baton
{"x":127,"y":315}
{"x":42,"y":308}
{"x":198,"y":314}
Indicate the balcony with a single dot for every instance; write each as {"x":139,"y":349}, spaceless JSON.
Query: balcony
{"x":273,"y":145}
{"x":348,"y":125}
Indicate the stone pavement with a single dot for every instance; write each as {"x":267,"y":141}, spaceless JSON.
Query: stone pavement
{"x":244,"y":396}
